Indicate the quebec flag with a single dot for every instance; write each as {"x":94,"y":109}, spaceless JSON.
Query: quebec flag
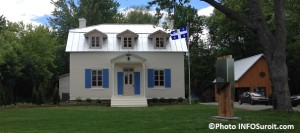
{"x":179,"y":33}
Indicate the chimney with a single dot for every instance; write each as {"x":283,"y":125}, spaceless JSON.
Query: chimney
{"x":82,"y":22}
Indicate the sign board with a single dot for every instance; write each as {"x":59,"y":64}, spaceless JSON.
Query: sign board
{"x":221,"y":73}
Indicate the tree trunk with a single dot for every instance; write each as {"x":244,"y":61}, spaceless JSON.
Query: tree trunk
{"x":274,"y":46}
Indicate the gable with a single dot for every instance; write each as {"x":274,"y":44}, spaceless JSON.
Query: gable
{"x":127,"y":33}
{"x":95,"y":32}
{"x":243,"y":65}
{"x":159,"y":33}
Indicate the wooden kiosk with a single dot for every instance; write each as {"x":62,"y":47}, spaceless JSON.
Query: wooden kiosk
{"x":225,"y":87}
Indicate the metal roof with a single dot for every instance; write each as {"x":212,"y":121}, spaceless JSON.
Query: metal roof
{"x":243,"y":65}
{"x":77,"y":42}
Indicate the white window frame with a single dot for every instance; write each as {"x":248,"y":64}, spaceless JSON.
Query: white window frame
{"x":159,"y":42}
{"x":98,"y":78}
{"x":159,"y":78}
{"x":95,"y":41}
{"x":126,"y":41}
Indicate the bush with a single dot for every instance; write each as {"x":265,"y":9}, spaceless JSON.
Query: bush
{"x":180,"y":100}
{"x":162,"y":100}
{"x":78,"y":100}
{"x":98,"y":101}
{"x":40,"y":98}
{"x":88,"y":100}
{"x":1,"y":97}
{"x":34,"y":98}
{"x":56,"y":97}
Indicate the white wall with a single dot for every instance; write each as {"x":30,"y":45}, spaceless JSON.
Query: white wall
{"x":64,"y":84}
{"x":81,"y":61}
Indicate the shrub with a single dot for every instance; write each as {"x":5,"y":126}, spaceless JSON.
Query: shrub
{"x":34,"y":98}
{"x":162,"y":100}
{"x":171,"y":100}
{"x":40,"y":98}
{"x":180,"y":100}
{"x":155,"y":100}
{"x":98,"y":101}
{"x":56,"y":97}
{"x":78,"y":100}
{"x":1,"y":97}
{"x":88,"y":100}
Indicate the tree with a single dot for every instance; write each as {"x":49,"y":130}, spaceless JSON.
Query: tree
{"x":65,"y":17}
{"x":293,"y":41}
{"x":66,"y":14}
{"x":98,"y":12}
{"x":56,"y":98}
{"x":274,"y":45}
{"x":139,"y":15}
{"x":201,"y":55}
{"x":37,"y":57}
{"x":273,"y":42}
{"x":230,"y":37}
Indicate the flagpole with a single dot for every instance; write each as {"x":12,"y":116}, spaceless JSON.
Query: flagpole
{"x":189,"y":63}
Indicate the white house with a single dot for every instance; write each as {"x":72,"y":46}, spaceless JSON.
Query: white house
{"x":125,"y":63}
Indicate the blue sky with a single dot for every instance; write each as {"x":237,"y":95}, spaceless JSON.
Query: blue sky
{"x":27,"y":12}
{"x":127,"y":3}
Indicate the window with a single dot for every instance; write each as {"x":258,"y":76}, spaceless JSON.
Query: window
{"x":159,"y":77}
{"x":159,"y":43}
{"x":95,"y":42}
{"x":261,"y":90}
{"x":96,"y":78}
{"x":127,"y":42}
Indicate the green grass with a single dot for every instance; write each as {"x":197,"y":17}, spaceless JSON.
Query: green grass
{"x":167,"y":118}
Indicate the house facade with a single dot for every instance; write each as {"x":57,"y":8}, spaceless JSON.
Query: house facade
{"x":125,"y":63}
{"x":251,"y":74}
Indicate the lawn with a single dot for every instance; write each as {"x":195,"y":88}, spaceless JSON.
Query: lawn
{"x":164,"y":118}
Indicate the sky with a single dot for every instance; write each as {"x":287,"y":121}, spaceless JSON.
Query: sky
{"x":37,"y":11}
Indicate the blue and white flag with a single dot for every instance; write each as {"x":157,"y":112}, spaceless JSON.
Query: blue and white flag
{"x":179,"y":33}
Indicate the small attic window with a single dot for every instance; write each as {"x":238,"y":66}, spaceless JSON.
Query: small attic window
{"x":127,"y":39}
{"x":127,"y":42}
{"x":95,"y":42}
{"x":159,"y":43}
{"x":159,"y":39}
{"x":95,"y":39}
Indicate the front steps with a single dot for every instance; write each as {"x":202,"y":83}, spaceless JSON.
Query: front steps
{"x":129,"y":101}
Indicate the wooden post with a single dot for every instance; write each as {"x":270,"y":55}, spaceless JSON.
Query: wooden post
{"x":225,"y":87}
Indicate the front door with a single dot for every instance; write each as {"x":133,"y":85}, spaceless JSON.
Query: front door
{"x":128,"y":81}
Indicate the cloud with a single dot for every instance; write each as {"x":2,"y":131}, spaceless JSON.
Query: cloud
{"x":206,"y":11}
{"x":25,"y":10}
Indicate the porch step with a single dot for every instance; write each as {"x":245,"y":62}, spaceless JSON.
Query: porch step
{"x":128,"y":101}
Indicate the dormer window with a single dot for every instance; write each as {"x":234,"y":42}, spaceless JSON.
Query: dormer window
{"x":95,"y":39}
{"x":127,"y":42}
{"x":159,"y":43}
{"x":127,"y":39}
{"x":159,"y":39}
{"x":95,"y":42}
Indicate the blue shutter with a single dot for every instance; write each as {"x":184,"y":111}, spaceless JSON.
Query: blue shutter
{"x":150,"y":78}
{"x":120,"y":83}
{"x":137,"y":83}
{"x":168,"y":78}
{"x":88,"y":77}
{"x":105,"y":78}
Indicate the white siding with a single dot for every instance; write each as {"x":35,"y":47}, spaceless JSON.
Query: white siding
{"x":80,"y":61}
{"x":64,"y":84}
